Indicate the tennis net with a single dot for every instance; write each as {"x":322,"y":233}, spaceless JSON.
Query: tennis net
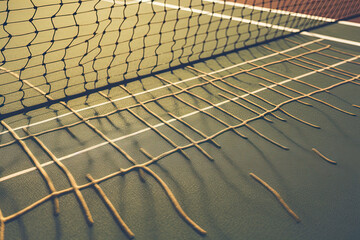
{"x":59,"y":49}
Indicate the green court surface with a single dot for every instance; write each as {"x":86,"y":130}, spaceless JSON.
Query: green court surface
{"x":199,"y":130}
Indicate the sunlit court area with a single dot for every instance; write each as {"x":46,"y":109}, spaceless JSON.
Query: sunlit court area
{"x":179,"y":119}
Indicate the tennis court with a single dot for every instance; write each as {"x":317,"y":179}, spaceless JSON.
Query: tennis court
{"x":179,"y":120}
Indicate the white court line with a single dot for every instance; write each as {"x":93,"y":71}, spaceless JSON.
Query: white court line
{"x":223,"y":16}
{"x":165,"y":86}
{"x":252,"y":7}
{"x":353,"y":24}
{"x":268,"y":25}
{"x":294,"y":30}
{"x":289,"y":13}
{"x":334,"y":39}
{"x":277,"y":11}
{"x":173,"y":120}
{"x":271,"y":10}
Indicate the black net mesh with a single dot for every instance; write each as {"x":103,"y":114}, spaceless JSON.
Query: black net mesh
{"x":66,"y":48}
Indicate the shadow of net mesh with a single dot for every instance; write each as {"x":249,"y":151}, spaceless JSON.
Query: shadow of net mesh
{"x":55,"y":50}
{"x":217,"y":95}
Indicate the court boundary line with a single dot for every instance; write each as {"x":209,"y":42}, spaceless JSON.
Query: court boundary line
{"x":257,"y":23}
{"x":353,"y":24}
{"x":272,"y":10}
{"x":284,"y":12}
{"x":164,"y":86}
{"x":223,"y":16}
{"x":263,"y":9}
{"x":329,"y":38}
{"x":22,"y":172}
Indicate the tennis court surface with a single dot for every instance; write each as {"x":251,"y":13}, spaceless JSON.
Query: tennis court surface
{"x":179,"y":119}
